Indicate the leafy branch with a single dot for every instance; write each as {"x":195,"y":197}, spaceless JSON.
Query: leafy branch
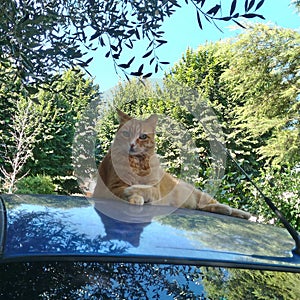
{"x":211,"y":15}
{"x":38,"y":38}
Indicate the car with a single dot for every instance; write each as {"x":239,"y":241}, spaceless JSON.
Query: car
{"x":74,"y":247}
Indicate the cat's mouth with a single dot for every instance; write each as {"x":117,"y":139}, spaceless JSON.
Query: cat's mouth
{"x":135,"y":152}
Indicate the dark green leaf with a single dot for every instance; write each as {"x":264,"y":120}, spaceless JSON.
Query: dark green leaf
{"x":250,"y":16}
{"x":139,"y":72}
{"x":147,"y":75}
{"x":107,"y":54}
{"x":202,"y":3}
{"x":95,"y":35}
{"x":233,"y":6}
{"x":32,"y":90}
{"x":260,"y":3}
{"x":225,"y":18}
{"x":239,"y":24}
{"x":123,"y":66}
{"x":161,"y":41}
{"x":213,"y":11}
{"x":89,"y":60}
{"x":141,"y":68}
{"x":131,"y":60}
{"x":252,"y":2}
{"x":198,"y":20}
{"x":147,"y":54}
{"x":126,"y":66}
{"x":115,"y":48}
{"x":137,"y":34}
{"x":246,"y":5}
{"x":174,"y":2}
{"x":102,"y":42}
{"x":151,"y":61}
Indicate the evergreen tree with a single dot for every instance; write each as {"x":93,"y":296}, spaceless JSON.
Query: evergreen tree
{"x":263,"y":77}
{"x":53,"y":155}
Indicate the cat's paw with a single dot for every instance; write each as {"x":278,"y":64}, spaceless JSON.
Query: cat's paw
{"x":132,"y":197}
{"x":238,"y":213}
{"x":136,"y":199}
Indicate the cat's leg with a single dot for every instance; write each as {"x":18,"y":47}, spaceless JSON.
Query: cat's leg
{"x":139,"y":194}
{"x":224,"y":209}
{"x":207,"y":203}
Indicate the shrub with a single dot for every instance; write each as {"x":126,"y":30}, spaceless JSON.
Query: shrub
{"x":39,"y":184}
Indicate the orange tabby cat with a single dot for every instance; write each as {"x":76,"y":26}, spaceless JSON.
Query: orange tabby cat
{"x":131,"y":171}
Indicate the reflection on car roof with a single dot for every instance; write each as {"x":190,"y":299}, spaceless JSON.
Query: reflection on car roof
{"x":59,"y":227}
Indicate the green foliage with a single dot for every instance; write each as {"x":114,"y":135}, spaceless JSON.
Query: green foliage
{"x":65,"y":185}
{"x":53,"y":154}
{"x":235,"y":284}
{"x":37,"y":132}
{"x":21,"y":129}
{"x":252,"y":82}
{"x":283,"y":187}
{"x":264,"y":81}
{"x":39,"y":38}
{"x":39,"y":184}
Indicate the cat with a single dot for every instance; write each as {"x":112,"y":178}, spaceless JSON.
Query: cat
{"x":131,"y":171}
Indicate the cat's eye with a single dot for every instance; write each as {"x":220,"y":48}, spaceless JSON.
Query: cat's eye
{"x":143,"y":136}
{"x":126,"y":133}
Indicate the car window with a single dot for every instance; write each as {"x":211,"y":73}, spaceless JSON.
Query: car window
{"x":93,"y":280}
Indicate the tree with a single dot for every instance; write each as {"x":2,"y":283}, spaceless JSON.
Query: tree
{"x":252,"y":83}
{"x":38,"y":37}
{"x":202,"y":70}
{"x":18,"y":144}
{"x":37,"y":131}
{"x":52,"y":155}
{"x":263,"y":77}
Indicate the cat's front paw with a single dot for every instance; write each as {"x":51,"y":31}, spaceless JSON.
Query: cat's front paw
{"x":132,"y":197}
{"x":240,"y":214}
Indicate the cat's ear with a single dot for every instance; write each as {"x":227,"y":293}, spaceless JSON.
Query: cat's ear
{"x":152,"y":120}
{"x":123,"y":118}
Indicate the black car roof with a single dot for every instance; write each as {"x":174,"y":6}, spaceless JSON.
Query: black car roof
{"x":50,"y":227}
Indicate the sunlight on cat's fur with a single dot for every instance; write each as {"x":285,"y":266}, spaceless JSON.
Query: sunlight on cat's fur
{"x":131,"y":171}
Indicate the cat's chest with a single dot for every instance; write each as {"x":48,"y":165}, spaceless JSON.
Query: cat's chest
{"x":140,"y":165}
{"x":145,"y":170}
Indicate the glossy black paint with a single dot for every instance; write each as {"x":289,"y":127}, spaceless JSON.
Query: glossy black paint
{"x":76,"y":228}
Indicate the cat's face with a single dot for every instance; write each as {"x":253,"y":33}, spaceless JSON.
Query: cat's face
{"x":135,"y":137}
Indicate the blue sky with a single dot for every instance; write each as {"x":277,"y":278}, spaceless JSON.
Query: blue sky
{"x":182,"y":32}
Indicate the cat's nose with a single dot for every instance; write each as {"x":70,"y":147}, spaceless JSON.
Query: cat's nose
{"x":132,"y":148}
